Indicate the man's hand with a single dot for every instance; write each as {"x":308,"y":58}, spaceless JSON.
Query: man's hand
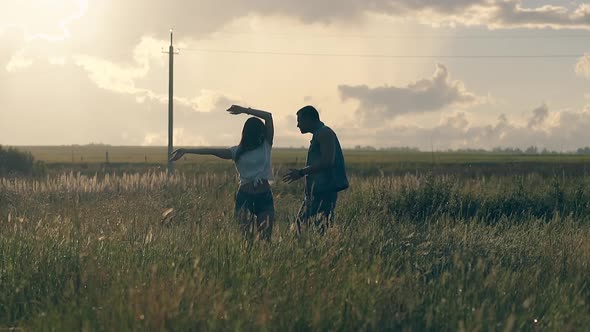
{"x":292,"y":176}
{"x":177,"y":154}
{"x":237,"y":109}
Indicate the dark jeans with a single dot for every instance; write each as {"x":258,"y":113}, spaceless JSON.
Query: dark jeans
{"x":319,"y":209}
{"x":255,"y":212}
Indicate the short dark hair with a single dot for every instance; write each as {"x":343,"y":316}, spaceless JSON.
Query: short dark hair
{"x":309,"y":112}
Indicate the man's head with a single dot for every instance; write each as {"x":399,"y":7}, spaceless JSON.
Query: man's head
{"x":307,"y":119}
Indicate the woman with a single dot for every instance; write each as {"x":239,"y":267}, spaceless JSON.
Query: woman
{"x":252,"y":157}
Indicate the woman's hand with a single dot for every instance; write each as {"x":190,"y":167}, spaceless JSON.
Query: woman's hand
{"x":237,"y":109}
{"x":177,"y":154}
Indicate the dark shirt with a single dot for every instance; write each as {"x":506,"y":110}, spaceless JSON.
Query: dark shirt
{"x":329,"y":180}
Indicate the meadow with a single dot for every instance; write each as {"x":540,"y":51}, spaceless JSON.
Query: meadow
{"x":421,"y":241}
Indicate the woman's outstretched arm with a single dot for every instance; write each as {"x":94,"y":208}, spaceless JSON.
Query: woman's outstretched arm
{"x":266,"y":116}
{"x":222,"y":153}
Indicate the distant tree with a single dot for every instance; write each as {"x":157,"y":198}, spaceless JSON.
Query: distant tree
{"x":470,"y":150}
{"x":365,"y":148}
{"x":507,"y":150}
{"x":14,"y":162}
{"x":531,"y":150}
{"x":400,"y":149}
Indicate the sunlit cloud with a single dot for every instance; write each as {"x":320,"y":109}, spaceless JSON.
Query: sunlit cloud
{"x":114,"y":49}
{"x":123,"y":79}
{"x":583,"y":66}
{"x":182,"y":137}
{"x":555,"y":130}
{"x":18,"y":61}
{"x":384,"y":103}
{"x":512,"y":14}
{"x":63,"y":25}
{"x":43,"y":19}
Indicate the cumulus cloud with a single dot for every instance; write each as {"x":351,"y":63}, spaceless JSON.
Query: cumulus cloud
{"x":512,"y":14}
{"x":118,"y":42}
{"x":539,"y":116}
{"x":182,"y":137}
{"x":127,"y":21}
{"x":109,"y":28}
{"x":100,"y":26}
{"x":83,"y":113}
{"x":42,"y":19}
{"x":11,"y":43}
{"x":554,"y":130}
{"x":18,"y":61}
{"x":583,"y":66}
{"x":426,"y":95}
{"x":123,"y":79}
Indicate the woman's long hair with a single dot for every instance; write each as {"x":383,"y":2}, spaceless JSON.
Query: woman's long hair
{"x":253,"y":135}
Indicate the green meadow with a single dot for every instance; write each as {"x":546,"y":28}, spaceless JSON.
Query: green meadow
{"x":421,"y":242}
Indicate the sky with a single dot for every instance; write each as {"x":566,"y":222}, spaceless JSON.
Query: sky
{"x":385,"y":73}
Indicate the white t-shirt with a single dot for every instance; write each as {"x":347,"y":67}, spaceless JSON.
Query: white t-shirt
{"x":254,"y":166}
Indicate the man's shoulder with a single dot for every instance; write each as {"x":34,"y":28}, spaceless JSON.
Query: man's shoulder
{"x":326,"y":132}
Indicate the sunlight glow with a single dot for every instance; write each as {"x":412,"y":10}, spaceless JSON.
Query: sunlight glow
{"x":43,"y":19}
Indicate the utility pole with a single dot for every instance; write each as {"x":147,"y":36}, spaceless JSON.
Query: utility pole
{"x":171,"y":53}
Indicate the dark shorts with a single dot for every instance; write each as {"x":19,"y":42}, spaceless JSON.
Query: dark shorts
{"x":260,"y":205}
{"x":318,"y":209}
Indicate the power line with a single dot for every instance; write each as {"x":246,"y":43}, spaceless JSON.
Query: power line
{"x":392,"y":56}
{"x":414,"y":36}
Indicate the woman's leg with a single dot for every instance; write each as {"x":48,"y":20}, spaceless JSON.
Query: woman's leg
{"x":244,"y":213}
{"x":265,"y":214}
{"x":265,"y":221}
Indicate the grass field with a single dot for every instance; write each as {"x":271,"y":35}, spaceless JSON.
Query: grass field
{"x":467,"y":242}
{"x":89,"y":160}
{"x":141,"y":154}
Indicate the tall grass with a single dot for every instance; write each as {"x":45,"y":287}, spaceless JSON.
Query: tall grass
{"x":406,"y":253}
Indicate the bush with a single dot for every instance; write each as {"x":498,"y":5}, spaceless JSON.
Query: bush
{"x":14,"y":163}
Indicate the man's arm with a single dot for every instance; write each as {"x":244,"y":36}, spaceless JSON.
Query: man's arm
{"x":327,"y":142}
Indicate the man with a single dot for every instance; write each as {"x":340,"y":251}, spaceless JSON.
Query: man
{"x":324,"y":173}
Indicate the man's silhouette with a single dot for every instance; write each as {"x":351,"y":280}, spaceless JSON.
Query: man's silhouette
{"x":324,"y":173}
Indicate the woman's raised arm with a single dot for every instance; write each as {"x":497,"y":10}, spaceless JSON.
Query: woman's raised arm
{"x":266,"y":116}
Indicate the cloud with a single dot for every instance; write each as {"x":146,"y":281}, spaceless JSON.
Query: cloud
{"x":583,"y":66}
{"x":42,"y":19}
{"x":494,"y":14}
{"x":11,"y":42}
{"x":511,"y":14}
{"x":80,"y":113}
{"x":182,"y":137}
{"x":123,"y":79}
{"x":118,"y":42}
{"x":18,"y":61}
{"x":426,"y":95}
{"x":539,"y":116}
{"x":117,"y":57}
{"x":554,"y":130}
{"x":109,"y":28}
{"x":99,"y":27}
